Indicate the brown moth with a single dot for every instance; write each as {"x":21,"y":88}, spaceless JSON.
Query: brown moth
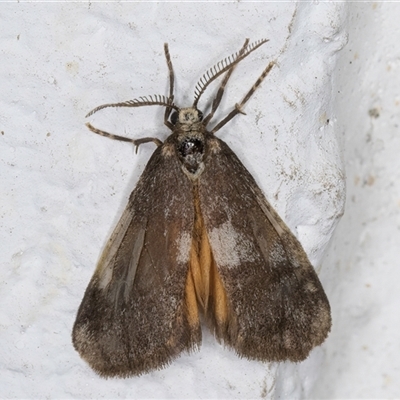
{"x":198,"y":238}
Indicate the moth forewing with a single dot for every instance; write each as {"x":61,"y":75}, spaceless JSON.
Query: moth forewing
{"x":198,"y":237}
{"x":274,"y":293}
{"x":131,"y":322}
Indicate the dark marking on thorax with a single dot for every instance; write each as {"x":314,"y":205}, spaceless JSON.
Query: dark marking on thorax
{"x":190,"y":140}
{"x":191,"y":153}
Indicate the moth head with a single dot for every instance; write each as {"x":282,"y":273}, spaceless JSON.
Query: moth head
{"x":187,"y":116}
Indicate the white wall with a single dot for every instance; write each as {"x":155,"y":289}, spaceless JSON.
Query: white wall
{"x":362,"y":351}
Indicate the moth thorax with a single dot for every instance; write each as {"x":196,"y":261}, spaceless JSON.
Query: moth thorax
{"x":191,"y":153}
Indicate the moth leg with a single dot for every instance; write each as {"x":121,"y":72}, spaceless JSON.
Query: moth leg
{"x":136,"y":142}
{"x":217,"y":100}
{"x":238,"y":107}
{"x":171,"y":87}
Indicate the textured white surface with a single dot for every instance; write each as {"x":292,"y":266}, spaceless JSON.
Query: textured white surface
{"x":364,"y":346}
{"x":65,"y":188}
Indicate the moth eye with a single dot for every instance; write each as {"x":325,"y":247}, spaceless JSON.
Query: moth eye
{"x":174,"y":118}
{"x":200,"y":115}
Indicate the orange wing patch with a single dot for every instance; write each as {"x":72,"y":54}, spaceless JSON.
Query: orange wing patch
{"x":204,"y":287}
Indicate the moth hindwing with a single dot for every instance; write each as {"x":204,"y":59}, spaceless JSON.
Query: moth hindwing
{"x":198,"y":238}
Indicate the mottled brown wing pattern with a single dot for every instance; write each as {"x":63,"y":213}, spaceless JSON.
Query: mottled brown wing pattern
{"x":277,"y":308}
{"x":133,"y":315}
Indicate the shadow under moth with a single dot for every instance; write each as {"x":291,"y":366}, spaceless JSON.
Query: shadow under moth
{"x":198,"y":241}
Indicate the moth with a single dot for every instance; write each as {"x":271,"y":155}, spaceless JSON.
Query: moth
{"x":198,"y":243}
